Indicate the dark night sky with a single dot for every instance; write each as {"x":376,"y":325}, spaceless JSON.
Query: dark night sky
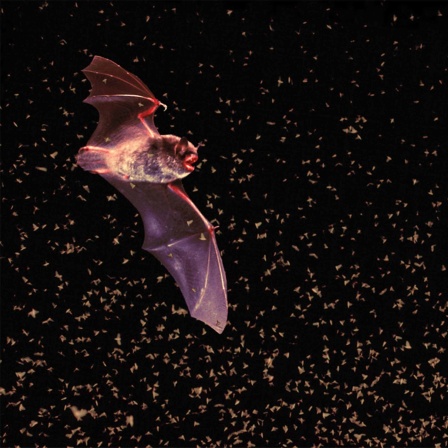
{"x":324,"y":164}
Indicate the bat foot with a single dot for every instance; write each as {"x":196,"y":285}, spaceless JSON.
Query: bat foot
{"x":93,"y":158}
{"x":93,"y":148}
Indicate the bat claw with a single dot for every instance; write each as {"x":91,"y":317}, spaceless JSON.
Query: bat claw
{"x":165,"y":107}
{"x":211,"y":229}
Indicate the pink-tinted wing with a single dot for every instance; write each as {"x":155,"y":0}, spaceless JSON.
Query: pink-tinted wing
{"x":126,"y":106}
{"x":179,"y":236}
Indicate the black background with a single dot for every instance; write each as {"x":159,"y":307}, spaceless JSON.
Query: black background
{"x":324,"y":164}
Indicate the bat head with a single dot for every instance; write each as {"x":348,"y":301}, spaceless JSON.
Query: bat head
{"x":187,"y":153}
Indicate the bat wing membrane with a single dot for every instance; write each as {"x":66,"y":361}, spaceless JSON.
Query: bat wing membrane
{"x":182,"y":240}
{"x":119,"y":96}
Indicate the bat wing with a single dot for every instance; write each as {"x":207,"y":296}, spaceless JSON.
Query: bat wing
{"x":179,"y":236}
{"x":126,"y":106}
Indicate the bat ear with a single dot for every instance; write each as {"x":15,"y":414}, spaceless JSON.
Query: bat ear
{"x":181,"y":146}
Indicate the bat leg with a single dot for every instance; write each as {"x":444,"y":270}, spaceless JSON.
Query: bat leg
{"x":94,"y":159}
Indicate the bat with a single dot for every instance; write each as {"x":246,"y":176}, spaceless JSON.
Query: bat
{"x":146,"y":167}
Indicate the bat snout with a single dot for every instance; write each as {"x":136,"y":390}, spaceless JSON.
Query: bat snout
{"x":189,"y":160}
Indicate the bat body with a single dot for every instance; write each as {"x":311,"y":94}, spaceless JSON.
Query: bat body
{"x":146,"y":167}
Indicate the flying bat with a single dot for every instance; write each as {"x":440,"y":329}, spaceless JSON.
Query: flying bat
{"x":128,"y":151}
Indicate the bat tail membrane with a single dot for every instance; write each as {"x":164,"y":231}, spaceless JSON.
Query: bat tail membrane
{"x":93,"y":159}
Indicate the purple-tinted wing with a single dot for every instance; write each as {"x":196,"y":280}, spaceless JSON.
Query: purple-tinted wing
{"x":175,"y":231}
{"x":179,"y":236}
{"x":126,"y":106}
